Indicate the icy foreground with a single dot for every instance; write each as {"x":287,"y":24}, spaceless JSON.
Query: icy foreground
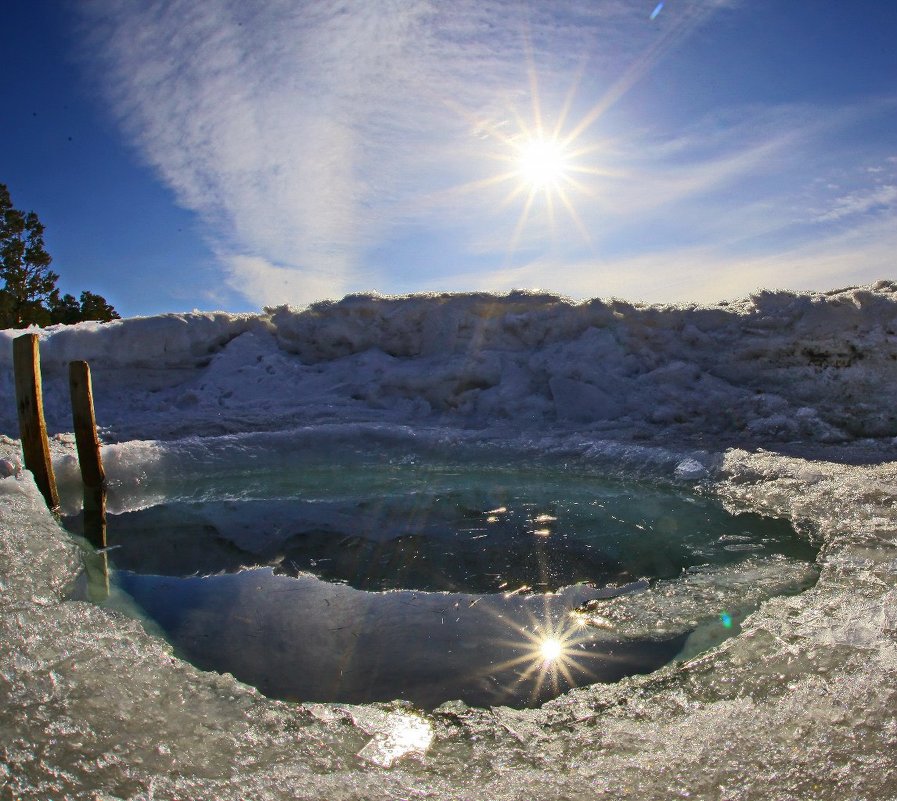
{"x":800,"y":705}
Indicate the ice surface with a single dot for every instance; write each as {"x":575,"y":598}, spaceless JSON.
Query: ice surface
{"x":801,"y":704}
{"x":703,"y":594}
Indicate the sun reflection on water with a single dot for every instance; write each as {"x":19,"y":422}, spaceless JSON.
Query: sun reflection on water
{"x":551,"y":652}
{"x":551,"y":649}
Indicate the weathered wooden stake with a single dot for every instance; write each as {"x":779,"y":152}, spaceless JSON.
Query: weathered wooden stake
{"x":85,"y":424}
{"x":92,"y":473}
{"x":30,"y":405}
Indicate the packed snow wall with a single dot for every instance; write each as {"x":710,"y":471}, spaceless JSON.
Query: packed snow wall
{"x":775,"y":367}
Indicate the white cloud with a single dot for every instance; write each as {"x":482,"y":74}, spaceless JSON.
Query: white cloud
{"x":703,"y":273}
{"x":269,"y":284}
{"x":309,"y":136}
{"x":861,"y":202}
{"x":256,"y":118}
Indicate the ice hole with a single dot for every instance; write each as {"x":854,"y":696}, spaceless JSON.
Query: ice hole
{"x":351,"y":577}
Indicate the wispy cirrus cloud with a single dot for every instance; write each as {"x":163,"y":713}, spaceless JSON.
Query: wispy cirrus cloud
{"x":703,"y":273}
{"x":311,"y":137}
{"x":862,"y":201}
{"x":260,"y":117}
{"x":304,"y":134}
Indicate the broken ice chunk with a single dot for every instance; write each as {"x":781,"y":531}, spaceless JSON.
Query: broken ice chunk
{"x":395,"y":735}
{"x":690,"y":470}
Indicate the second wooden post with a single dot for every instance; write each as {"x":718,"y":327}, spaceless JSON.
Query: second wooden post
{"x":88,"y":443}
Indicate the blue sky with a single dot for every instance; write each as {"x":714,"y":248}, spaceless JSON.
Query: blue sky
{"x":231,"y":155}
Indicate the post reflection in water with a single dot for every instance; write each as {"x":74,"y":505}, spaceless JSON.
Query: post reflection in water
{"x":97,"y":570}
{"x":94,"y":531}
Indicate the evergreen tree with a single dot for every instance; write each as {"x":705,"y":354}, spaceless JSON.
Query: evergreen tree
{"x":5,"y":309}
{"x":24,"y":267}
{"x":29,"y":295}
{"x":65,"y":309}
{"x":95,"y":307}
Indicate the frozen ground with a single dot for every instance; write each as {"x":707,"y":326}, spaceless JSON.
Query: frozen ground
{"x":781,"y":403}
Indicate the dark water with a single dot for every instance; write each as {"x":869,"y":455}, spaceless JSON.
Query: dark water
{"x":311,"y":640}
{"x":428,"y":582}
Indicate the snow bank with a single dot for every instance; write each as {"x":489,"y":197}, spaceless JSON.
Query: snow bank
{"x":776,"y":367}
{"x":167,"y":340}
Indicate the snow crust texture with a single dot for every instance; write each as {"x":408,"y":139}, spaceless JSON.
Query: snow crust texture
{"x":801,"y":704}
{"x":775,"y":367}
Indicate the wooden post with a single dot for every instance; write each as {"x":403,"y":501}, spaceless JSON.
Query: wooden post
{"x":30,"y":405}
{"x":88,"y":443}
{"x":85,"y":425}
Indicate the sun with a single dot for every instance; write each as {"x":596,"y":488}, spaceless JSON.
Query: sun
{"x":543,"y":163}
{"x":548,"y":169}
{"x":549,"y":159}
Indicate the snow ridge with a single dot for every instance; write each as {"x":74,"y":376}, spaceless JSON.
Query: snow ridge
{"x":778,"y":366}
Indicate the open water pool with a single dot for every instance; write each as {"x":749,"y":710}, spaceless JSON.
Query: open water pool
{"x":357,"y":577}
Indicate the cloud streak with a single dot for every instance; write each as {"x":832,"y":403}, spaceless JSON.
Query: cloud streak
{"x":704,"y":273}
{"x":259,"y":119}
{"x":861,"y":202}
{"x":310,"y":136}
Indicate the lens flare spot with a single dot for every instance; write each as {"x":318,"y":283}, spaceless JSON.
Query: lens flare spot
{"x":726,"y":619}
{"x":579,"y":618}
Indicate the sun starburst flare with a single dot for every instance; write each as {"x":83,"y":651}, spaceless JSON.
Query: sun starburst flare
{"x":550,"y":650}
{"x":542,"y":163}
{"x":547,"y":159}
{"x":545,"y":164}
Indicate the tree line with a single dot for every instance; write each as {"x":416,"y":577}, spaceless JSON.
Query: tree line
{"x":29,"y":295}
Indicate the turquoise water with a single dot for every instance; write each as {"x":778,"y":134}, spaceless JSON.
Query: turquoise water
{"x":421,"y":579}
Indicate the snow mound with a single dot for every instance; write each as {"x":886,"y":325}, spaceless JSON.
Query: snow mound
{"x":776,"y":367}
